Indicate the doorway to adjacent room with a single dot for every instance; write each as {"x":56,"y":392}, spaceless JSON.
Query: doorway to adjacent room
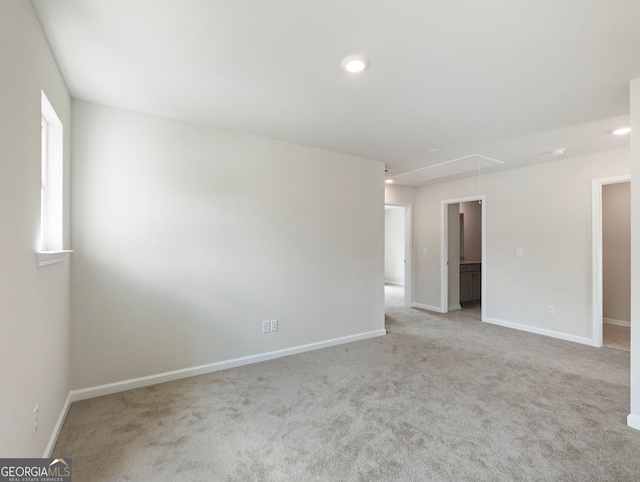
{"x":397,"y":240}
{"x":463,"y":256}
{"x":611,"y":244}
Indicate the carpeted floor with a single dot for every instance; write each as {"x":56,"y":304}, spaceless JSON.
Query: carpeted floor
{"x":441,"y":397}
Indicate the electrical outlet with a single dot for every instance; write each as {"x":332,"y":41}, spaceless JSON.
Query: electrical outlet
{"x":35,"y":419}
{"x":551,"y":310}
{"x":274,"y":325}
{"x":266,"y":326}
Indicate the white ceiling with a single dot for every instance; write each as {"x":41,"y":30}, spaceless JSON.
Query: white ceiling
{"x":508,"y":79}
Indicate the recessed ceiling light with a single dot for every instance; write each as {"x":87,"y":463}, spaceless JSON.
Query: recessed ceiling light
{"x":389,"y":181}
{"x":355,"y":63}
{"x":622,"y":131}
{"x":559,"y":151}
{"x":435,"y":149}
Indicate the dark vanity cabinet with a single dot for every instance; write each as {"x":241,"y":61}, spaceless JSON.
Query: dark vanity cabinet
{"x":470,"y":281}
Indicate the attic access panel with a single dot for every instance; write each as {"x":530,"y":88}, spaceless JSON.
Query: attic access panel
{"x":450,"y":168}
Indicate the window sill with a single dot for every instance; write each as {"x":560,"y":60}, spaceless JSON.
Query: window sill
{"x":45,"y":258}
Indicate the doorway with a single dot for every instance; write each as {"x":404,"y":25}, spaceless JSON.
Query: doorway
{"x":463,"y":253}
{"x":398,"y":259}
{"x":611,"y":261}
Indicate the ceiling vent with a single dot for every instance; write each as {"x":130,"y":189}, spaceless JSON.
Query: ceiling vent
{"x":450,"y":168}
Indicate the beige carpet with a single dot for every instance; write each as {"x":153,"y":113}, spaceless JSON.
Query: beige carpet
{"x":439,"y":398}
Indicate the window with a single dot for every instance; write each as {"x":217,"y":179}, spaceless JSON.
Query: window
{"x":49,"y":247}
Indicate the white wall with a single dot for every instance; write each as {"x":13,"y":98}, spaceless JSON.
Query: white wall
{"x":616,"y":251}
{"x":634,"y":418}
{"x":472,"y":229}
{"x":398,"y":194}
{"x":394,"y":231}
{"x":544,"y":209}
{"x":34,"y":302}
{"x":187,"y":237}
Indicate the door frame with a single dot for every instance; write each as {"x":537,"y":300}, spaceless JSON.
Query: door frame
{"x":596,"y":252}
{"x":408,"y":258}
{"x":444,"y":251}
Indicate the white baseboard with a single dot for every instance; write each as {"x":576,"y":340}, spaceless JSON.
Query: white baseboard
{"x":633,"y":421}
{"x":56,"y":430}
{"x":611,"y":321}
{"x":394,"y":283}
{"x":109,"y":388}
{"x":541,"y":331}
{"x":437,"y":309}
